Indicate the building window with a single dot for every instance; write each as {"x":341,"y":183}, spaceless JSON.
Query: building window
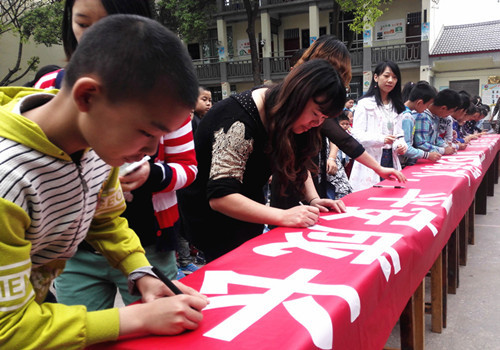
{"x":291,"y":41}
{"x":413,"y":27}
{"x":209,"y":49}
{"x":217,"y":92}
{"x":346,"y":34}
{"x":471,"y":86}
{"x":305,"y":39}
{"x":194,"y":51}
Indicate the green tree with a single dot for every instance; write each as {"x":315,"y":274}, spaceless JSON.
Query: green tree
{"x":365,"y":12}
{"x":26,"y":20}
{"x":188,"y":18}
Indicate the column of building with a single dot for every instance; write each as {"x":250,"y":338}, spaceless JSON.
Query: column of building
{"x":313,"y":22}
{"x":222,"y":50}
{"x":425,"y":68}
{"x":265,"y":24}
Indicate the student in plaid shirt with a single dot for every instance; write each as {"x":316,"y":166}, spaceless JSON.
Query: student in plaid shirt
{"x":427,"y":124}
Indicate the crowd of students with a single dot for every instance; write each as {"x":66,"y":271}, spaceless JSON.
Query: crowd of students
{"x":63,"y":200}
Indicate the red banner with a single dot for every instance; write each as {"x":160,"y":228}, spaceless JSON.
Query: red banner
{"x":342,"y":283}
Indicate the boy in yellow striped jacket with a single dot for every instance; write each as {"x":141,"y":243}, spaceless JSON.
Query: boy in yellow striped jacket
{"x":58,"y":184}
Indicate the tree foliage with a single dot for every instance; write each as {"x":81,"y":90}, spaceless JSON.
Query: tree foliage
{"x":366,"y":12}
{"x":26,"y":20}
{"x":188,"y":18}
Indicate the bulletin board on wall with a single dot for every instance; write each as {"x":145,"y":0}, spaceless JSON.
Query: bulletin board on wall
{"x":490,"y":93}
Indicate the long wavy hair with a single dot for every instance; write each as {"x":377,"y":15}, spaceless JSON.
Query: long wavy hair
{"x":395,"y":95}
{"x":334,"y":51}
{"x":291,"y":154}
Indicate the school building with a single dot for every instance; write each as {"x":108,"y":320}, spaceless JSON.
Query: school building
{"x":409,"y":32}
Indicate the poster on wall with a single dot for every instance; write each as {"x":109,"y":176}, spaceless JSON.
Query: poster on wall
{"x":243,"y":47}
{"x":390,"y":30}
{"x":425,"y":31}
{"x":367,"y":38}
{"x":367,"y":78}
{"x":490,"y":93}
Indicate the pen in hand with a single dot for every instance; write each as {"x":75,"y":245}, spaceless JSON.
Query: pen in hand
{"x":165,"y":280}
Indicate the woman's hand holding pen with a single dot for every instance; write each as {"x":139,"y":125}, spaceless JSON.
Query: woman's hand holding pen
{"x":308,"y":215}
{"x":299,"y":216}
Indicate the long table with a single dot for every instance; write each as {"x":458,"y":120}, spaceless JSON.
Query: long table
{"x":342,"y":283}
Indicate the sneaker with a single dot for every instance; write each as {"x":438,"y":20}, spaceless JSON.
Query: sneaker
{"x":180,"y":274}
{"x":189,"y":268}
{"x":200,"y":258}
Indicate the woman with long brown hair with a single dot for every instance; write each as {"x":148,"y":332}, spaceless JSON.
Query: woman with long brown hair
{"x":335,"y":52}
{"x":245,"y":138}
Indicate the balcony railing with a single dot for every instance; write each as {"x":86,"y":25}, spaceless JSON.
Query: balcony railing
{"x":356,"y":57}
{"x":409,"y":52}
{"x":233,"y":5}
{"x":237,"y":5}
{"x":241,"y":68}
{"x":209,"y":69}
{"x":280,"y":64}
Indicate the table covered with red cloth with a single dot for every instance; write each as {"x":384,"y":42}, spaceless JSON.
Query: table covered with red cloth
{"x":343,"y":283}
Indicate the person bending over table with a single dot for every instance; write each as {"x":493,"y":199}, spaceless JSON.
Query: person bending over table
{"x":328,"y":47}
{"x":245,"y":138}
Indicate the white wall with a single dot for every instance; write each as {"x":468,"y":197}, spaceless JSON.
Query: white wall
{"x":442,"y":80}
{"x":8,"y":56}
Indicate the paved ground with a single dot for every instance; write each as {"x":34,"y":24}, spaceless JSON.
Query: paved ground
{"x":474,"y":312}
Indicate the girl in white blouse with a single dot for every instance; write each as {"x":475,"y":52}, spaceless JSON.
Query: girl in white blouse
{"x":377,"y":124}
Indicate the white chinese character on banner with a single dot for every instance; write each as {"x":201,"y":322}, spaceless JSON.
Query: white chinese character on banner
{"x":322,"y":241}
{"x":305,"y":310}
{"x":418,"y":221}
{"x":414,"y":197}
{"x":457,"y":166}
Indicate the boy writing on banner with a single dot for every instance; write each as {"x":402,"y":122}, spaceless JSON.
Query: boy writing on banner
{"x":420,"y":97}
{"x":58,"y":186}
{"x":426,"y":135}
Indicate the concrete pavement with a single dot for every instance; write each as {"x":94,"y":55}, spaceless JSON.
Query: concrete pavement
{"x":473,"y":320}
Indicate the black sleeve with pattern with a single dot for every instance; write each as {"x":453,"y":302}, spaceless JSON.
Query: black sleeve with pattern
{"x":230,"y":153}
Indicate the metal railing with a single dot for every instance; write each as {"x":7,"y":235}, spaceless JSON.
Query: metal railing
{"x":280,"y":64}
{"x":237,"y":5}
{"x":356,"y":57}
{"x":209,"y":69}
{"x":242,"y":68}
{"x":232,"y":5}
{"x":408,"y":52}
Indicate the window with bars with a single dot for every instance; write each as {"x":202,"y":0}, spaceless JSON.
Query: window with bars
{"x":291,"y":33}
{"x":347,"y":34}
{"x":209,"y":49}
{"x":414,"y":18}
